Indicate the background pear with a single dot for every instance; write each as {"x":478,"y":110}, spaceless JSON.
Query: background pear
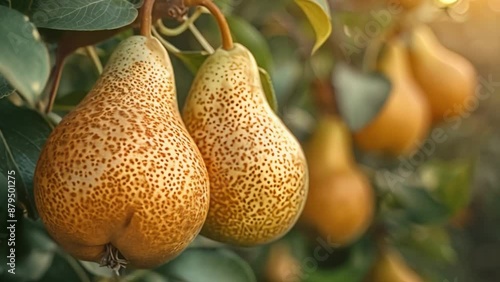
{"x":340,"y":204}
{"x":281,"y":265}
{"x":405,"y":4}
{"x":404,"y":120}
{"x":391,"y":267}
{"x":121,"y":168}
{"x":258,"y":173}
{"x":448,"y":79}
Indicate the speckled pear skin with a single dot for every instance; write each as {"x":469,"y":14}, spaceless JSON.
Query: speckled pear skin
{"x":258,"y":172}
{"x":121,"y":168}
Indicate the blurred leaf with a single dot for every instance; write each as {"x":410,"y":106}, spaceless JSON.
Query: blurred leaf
{"x":431,"y":241}
{"x":450,"y":182}
{"x":5,"y":88}
{"x":96,"y":269}
{"x":34,"y":250}
{"x":22,"y":135}
{"x":148,"y":276}
{"x":192,"y":59}
{"x":22,"y":6}
{"x":207,"y":265}
{"x":24,"y":60}
{"x":268,"y":88}
{"x":318,"y":13}
{"x":419,"y":204}
{"x":68,"y":102}
{"x":322,"y":63}
{"x":360,"y":96}
{"x":360,"y":260}
{"x":287,"y":70}
{"x":226,"y":6}
{"x":4,"y":232}
{"x":64,"y":268}
{"x":83,"y":14}
{"x":247,"y":35}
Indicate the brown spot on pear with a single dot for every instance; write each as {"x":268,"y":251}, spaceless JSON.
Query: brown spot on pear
{"x":404,"y":120}
{"x":341,"y":201}
{"x":121,"y":168}
{"x":448,"y":80}
{"x":258,"y":173}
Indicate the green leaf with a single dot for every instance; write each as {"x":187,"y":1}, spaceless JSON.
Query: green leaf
{"x":208,"y":265}
{"x":420,"y":206}
{"x":68,"y":102}
{"x":24,"y":60}
{"x":288,"y":72}
{"x":5,"y":88}
{"x":247,"y":35}
{"x":34,"y":250}
{"x":433,"y":242}
{"x":22,"y":6}
{"x":361,"y":257}
{"x":226,"y":6}
{"x":22,"y":135}
{"x":192,"y":59}
{"x":450,"y":181}
{"x":318,"y":14}
{"x":64,"y":268}
{"x":96,"y":269}
{"x":360,"y":96}
{"x":268,"y":88}
{"x":83,"y":14}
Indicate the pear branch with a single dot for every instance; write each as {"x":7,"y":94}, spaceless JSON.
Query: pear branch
{"x":227,"y":39}
{"x":147,"y":17}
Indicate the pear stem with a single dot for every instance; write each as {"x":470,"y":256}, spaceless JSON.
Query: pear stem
{"x":227,"y":39}
{"x":111,"y":259}
{"x":147,"y":18}
{"x":92,"y":54}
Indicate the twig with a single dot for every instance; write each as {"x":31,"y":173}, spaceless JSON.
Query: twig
{"x":92,"y":53}
{"x":201,"y":39}
{"x":165,"y":43}
{"x":182,"y":27}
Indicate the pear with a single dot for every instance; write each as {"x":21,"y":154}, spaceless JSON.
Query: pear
{"x":391,"y":267}
{"x":120,"y":172}
{"x":404,"y":120}
{"x":404,"y":4}
{"x":281,"y":265}
{"x":448,"y":79}
{"x":258,"y":172}
{"x":340,"y":204}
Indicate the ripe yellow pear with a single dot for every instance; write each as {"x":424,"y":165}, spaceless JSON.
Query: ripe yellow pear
{"x":391,"y":267}
{"x":281,"y":265}
{"x":340,"y":204}
{"x":258,"y":172}
{"x":448,"y":80}
{"x":405,"y":4}
{"x":121,"y":170}
{"x":404,"y":120}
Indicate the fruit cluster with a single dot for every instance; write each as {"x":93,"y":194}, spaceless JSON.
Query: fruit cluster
{"x":124,"y":178}
{"x":430,"y":84}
